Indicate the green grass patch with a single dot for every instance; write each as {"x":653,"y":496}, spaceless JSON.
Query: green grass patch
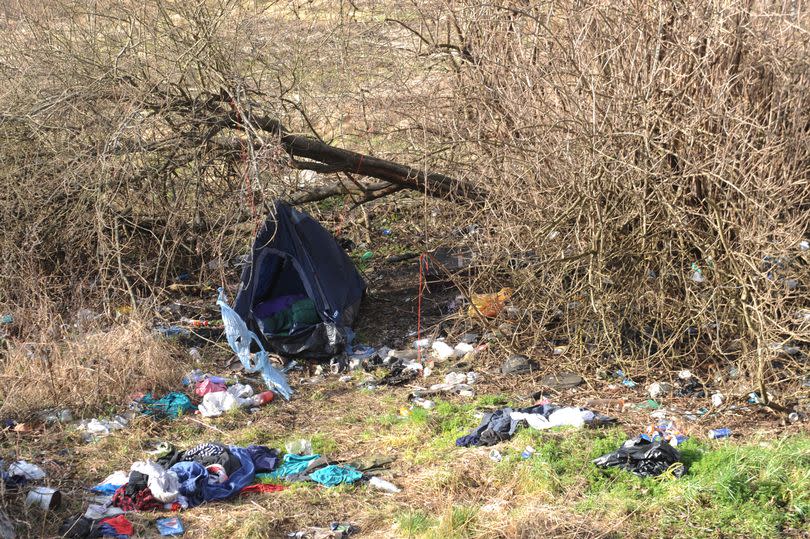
{"x":323,"y":444}
{"x":459,"y":522}
{"x":414,"y":523}
{"x":753,"y":489}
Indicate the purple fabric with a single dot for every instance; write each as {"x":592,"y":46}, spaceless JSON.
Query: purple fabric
{"x":276,"y":305}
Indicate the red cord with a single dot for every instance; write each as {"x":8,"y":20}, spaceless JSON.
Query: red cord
{"x":422,"y":268}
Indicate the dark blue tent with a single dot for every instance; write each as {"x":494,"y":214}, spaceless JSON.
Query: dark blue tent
{"x":301,"y":293}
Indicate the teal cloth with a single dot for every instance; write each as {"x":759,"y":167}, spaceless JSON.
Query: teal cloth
{"x":335,"y":474}
{"x":172,"y":405}
{"x":292,"y":465}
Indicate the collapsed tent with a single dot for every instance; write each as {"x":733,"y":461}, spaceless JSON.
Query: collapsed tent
{"x":301,"y":293}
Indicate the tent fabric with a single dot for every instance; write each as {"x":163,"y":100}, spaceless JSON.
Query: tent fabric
{"x":294,"y":257}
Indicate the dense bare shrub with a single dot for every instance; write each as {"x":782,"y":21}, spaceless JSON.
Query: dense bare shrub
{"x":623,"y":146}
{"x":628,"y":145}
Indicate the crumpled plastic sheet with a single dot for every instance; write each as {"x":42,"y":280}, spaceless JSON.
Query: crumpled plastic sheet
{"x":644,"y":458}
{"x":26,"y":470}
{"x":240,"y":338}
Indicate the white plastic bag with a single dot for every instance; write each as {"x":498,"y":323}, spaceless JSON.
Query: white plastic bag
{"x":240,"y":338}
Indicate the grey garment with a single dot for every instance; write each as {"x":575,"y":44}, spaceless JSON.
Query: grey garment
{"x":496,"y":427}
{"x":499,"y":426}
{"x":313,"y":465}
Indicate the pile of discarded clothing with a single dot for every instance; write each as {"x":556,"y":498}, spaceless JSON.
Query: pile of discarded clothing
{"x":502,"y":424}
{"x":284,"y":315}
{"x":174,"y":480}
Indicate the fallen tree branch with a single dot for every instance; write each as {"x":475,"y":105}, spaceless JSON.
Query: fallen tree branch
{"x":327,"y":157}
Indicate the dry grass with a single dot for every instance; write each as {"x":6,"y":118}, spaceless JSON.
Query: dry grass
{"x":87,"y":372}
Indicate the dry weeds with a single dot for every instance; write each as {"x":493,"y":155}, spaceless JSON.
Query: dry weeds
{"x":87,"y":372}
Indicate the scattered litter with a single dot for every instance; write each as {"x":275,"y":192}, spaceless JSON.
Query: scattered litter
{"x":528,"y":452}
{"x":502,"y":424}
{"x":697,"y":273}
{"x":193,"y":377}
{"x":626,"y":381}
{"x":26,"y":471}
{"x":690,"y":386}
{"x":208,"y":386}
{"x":422,"y":343}
{"x":173,"y":331}
{"x":717,"y":399}
{"x":293,"y":465}
{"x":117,"y":526}
{"x":95,"y":428}
{"x":562,"y":417}
{"x":649,"y":404}
{"x":262,"y":488}
{"x":644,"y":458}
{"x":518,"y":364}
{"x":463,"y":348}
{"x":236,"y":396}
{"x":111,"y":483}
{"x":169,"y":406}
{"x":755,"y":398}
{"x":716,"y":434}
{"x":657,"y":389}
{"x":170,"y":526}
{"x":442,"y":351}
{"x":194,"y":354}
{"x":336,"y":530}
{"x":162,"y":483}
{"x":666,"y":431}
{"x":52,"y":417}
{"x":382,"y":484}
{"x":424,"y":403}
{"x":373,"y":464}
{"x":240,"y":339}
{"x":83,"y":527}
{"x":299,"y":447}
{"x":97,"y":511}
{"x":455,"y":378}
{"x":495,"y":455}
{"x":45,"y":498}
{"x":489,"y":305}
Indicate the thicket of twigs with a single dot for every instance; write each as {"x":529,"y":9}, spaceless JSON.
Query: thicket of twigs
{"x":622,"y":149}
